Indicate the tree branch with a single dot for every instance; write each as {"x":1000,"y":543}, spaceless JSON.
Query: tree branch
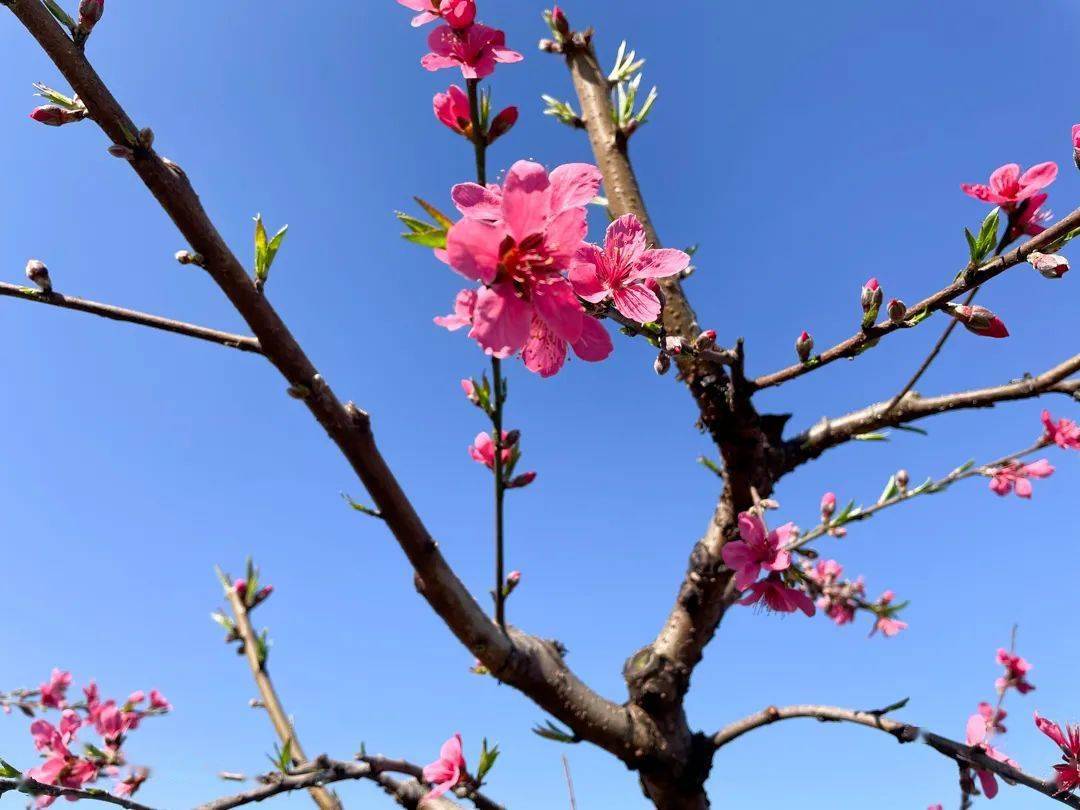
{"x":530,"y":665}
{"x":286,"y":732}
{"x":33,"y":788}
{"x":864,"y":339}
{"x":832,"y":432}
{"x":962,"y":754}
{"x":55,"y":299}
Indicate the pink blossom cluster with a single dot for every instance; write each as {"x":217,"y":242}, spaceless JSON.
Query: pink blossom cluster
{"x":840,"y":599}
{"x":460,"y":41}
{"x":111,"y":721}
{"x":1020,"y":196}
{"x":517,"y":240}
{"x":760,"y":549}
{"x":482,"y":451}
{"x":1015,"y":476}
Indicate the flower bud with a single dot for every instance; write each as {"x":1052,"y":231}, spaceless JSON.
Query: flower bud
{"x":469,"y":387}
{"x":187,"y":257}
{"x":804,"y":346}
{"x":871,"y":299}
{"x":513,"y":579}
{"x":674,"y":345}
{"x":38,"y":273}
{"x":521,"y":481}
{"x":1076,"y":144}
{"x":559,"y":23}
{"x":1050,"y":265}
{"x":458,"y":14}
{"x":53,"y":115}
{"x":706,"y":340}
{"x":828,"y":506}
{"x":502,"y":124}
{"x":90,"y":12}
{"x":902,"y":480}
{"x":123,"y":152}
{"x":897,"y":310}
{"x":662,"y":364}
{"x":146,"y":137}
{"x":511,"y":438}
{"x":978,"y":320}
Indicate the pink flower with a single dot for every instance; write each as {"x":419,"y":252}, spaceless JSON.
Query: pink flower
{"x":1067,"y":775}
{"x":1030,"y":219}
{"x":1016,"y":670}
{"x":448,"y":770}
{"x":64,"y":770}
{"x":757,"y":550}
{"x":132,"y":782}
{"x":475,"y":49}
{"x":464,"y":304}
{"x":978,"y":736}
{"x":458,"y":13}
{"x":429,"y":10}
{"x":517,"y":240}
{"x":46,"y":738}
{"x":993,"y":717}
{"x":828,"y":506}
{"x":1016,"y":476}
{"x":90,"y":12}
{"x":619,"y":270}
{"x":1008,"y":186}
{"x":1076,"y":136}
{"x":837,"y":597}
{"x":482,"y":450}
{"x":1065,"y":433}
{"x":778,"y":597}
{"x":158,"y":702}
{"x":889,"y":627}
{"x":54,"y":693}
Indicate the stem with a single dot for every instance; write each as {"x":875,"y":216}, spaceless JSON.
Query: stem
{"x":324,"y":798}
{"x":479,"y":140}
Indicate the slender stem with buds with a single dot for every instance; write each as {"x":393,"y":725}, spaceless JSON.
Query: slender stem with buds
{"x":55,"y":299}
{"x":286,"y":732}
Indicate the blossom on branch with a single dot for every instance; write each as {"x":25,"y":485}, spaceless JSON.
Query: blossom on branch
{"x":1067,"y":774}
{"x":54,"y":693}
{"x":447,"y":771}
{"x":978,"y":320}
{"x":1016,"y":670}
{"x":979,"y":736}
{"x":759,"y":549}
{"x":517,"y":240}
{"x":777,"y":596}
{"x":475,"y":49}
{"x":620,"y":269}
{"x":1065,"y":433}
{"x":1008,"y":187}
{"x":457,"y":13}
{"x":1016,"y":476}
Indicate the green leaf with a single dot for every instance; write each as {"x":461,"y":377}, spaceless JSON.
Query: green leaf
{"x":987,"y":239}
{"x":711,"y":465}
{"x":60,"y":99}
{"x":262,"y":642}
{"x":274,"y":246}
{"x":925,"y":486}
{"x":892,"y":489}
{"x":9,"y":771}
{"x":847,"y":514}
{"x":225,"y":622}
{"x":550,"y":731}
{"x":918,"y":317}
{"x":911,"y":429}
{"x":223,"y":578}
{"x":973,"y":246}
{"x":433,"y":212}
{"x":266,"y":249}
{"x":282,"y":758}
{"x":359,"y":507}
{"x":487,"y":760}
{"x":871,"y":437}
{"x":61,"y":16}
{"x":430,"y":239}
{"x":963,"y":468}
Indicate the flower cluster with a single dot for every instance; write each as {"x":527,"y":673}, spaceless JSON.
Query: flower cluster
{"x":517,"y":240}
{"x":757,"y":550}
{"x":1015,"y":476}
{"x":460,"y":41}
{"x":840,"y":599}
{"x":482,"y":451}
{"x":111,"y":721}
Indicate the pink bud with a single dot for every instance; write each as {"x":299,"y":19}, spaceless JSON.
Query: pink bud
{"x":469,"y":387}
{"x":828,"y":505}
{"x":1050,"y":265}
{"x":514,"y":576}
{"x":674,"y":345}
{"x":804,"y":346}
{"x":897,"y":310}
{"x":978,"y":320}
{"x":502,"y":124}
{"x":559,"y":22}
{"x":90,"y":12}
{"x":887,"y":597}
{"x":1076,"y":144}
{"x":240,"y":587}
{"x":38,"y":273}
{"x":870,"y":299}
{"x":511,"y":439}
{"x":706,"y":340}
{"x":522,"y":480}
{"x":458,"y":13}
{"x":52,"y":115}
{"x":263,"y":594}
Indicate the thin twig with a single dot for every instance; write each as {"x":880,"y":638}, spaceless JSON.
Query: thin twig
{"x":55,"y":299}
{"x":569,"y":782}
{"x":903,"y":732}
{"x":33,"y":788}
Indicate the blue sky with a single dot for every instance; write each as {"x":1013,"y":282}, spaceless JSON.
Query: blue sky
{"x":806,"y":147}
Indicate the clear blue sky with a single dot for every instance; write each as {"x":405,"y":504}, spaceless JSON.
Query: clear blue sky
{"x":805,"y":146}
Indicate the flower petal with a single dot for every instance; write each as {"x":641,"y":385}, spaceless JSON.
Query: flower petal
{"x":594,"y":344}
{"x":556,"y":303}
{"x":573,"y":185}
{"x":526,"y":204}
{"x":661,"y":263}
{"x":637,"y":302}
{"x":585,"y":273}
{"x":472,"y":249}
{"x":500,"y":321}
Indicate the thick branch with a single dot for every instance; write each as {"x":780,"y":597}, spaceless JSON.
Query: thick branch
{"x":962,"y":754}
{"x":55,"y":299}
{"x":531,"y":666}
{"x":832,"y":432}
{"x":863,"y":340}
